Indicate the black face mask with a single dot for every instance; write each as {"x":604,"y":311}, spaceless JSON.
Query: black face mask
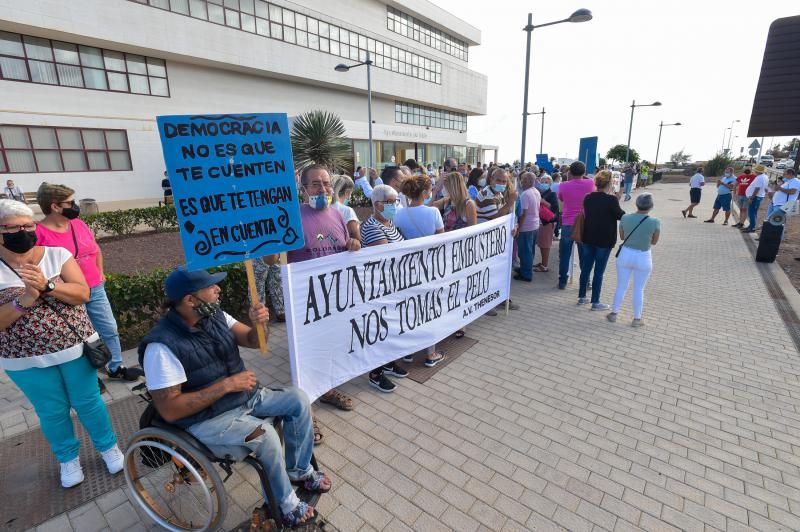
{"x":19,"y":242}
{"x":72,"y":212}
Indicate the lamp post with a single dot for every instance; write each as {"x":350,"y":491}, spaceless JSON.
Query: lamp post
{"x":658,"y":147}
{"x":341,"y":67}
{"x":730,"y":136}
{"x":630,"y":127}
{"x":581,"y":15}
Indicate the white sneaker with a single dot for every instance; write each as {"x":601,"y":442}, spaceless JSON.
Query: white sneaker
{"x":114,"y":459}
{"x":71,"y":473}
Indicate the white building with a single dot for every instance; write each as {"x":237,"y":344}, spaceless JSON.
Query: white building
{"x":81,"y":81}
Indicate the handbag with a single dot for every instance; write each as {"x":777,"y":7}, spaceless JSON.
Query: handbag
{"x":616,"y":255}
{"x":96,"y":352}
{"x":546,"y":215}
{"x":577,"y":228}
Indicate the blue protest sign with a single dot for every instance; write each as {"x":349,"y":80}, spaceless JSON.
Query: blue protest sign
{"x":233,"y":184}
{"x":543,"y":161}
{"x":587,"y":152}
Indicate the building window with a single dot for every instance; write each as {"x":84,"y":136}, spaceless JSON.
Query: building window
{"x":39,"y":149}
{"x":48,"y":62}
{"x":270,"y":20}
{"x":419,"y":115}
{"x":408,"y":26}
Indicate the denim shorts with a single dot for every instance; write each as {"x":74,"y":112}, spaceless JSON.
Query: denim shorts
{"x":723,"y":202}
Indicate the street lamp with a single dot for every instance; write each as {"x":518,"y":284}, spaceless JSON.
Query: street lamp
{"x":581,"y":15}
{"x":341,"y":67}
{"x":730,"y":137}
{"x":630,"y":127}
{"x":658,"y":147}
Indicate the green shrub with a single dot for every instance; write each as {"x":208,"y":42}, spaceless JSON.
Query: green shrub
{"x":716,"y":166}
{"x":358,"y":199}
{"x":159,"y":218}
{"x":136,"y":299}
{"x":125,"y":222}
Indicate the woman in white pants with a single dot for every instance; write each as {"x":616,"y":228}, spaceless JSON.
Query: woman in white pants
{"x":639,"y":232}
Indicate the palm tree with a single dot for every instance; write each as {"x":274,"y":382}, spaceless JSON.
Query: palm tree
{"x":318,"y":138}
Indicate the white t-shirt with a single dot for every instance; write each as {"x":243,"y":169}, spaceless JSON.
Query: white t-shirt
{"x":52,"y":262}
{"x":348,"y":214}
{"x":697,"y":181}
{"x":162,"y":368}
{"x":781,"y":198}
{"x":761,"y":182}
{"x":419,"y":221}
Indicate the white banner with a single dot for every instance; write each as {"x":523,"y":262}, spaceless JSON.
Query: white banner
{"x":349,"y":313}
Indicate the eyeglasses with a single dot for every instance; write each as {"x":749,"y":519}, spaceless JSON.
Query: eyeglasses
{"x":17,"y":228}
{"x":395,"y":202}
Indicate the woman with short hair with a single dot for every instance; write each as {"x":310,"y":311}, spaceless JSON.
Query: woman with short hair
{"x":544,"y":239}
{"x":43,"y":327}
{"x":639,"y":232}
{"x":342,"y":191}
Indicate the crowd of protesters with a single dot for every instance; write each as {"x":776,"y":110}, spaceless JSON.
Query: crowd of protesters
{"x":52,"y":271}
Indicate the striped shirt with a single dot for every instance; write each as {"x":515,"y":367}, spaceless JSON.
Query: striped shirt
{"x":488,"y":204}
{"x":374,"y":231}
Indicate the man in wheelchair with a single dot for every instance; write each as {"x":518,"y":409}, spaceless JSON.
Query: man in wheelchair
{"x":198,"y":382}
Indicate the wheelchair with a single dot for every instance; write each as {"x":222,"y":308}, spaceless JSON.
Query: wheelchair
{"x":171,"y":475}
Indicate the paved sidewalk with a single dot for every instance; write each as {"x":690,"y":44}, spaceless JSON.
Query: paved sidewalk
{"x":558,"y":419}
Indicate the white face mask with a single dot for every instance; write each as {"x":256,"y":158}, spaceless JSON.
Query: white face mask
{"x":482,"y":182}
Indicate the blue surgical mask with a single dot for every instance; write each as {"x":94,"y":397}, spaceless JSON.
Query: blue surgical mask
{"x":319,"y":201}
{"x":346,"y":201}
{"x":500,"y":188}
{"x":542,"y":187}
{"x":389,"y":210}
{"x":482,"y":182}
{"x":428,"y":199}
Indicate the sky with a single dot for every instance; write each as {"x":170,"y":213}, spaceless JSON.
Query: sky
{"x":700,"y":58}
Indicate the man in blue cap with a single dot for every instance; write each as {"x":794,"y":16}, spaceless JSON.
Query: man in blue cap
{"x":198,"y":382}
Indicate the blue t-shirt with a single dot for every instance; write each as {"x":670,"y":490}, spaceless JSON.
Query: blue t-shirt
{"x":728,"y":180}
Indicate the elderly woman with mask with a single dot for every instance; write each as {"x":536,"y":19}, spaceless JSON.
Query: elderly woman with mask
{"x":43,"y":327}
{"x":378,"y":230}
{"x":544,"y":239}
{"x":342,"y":191}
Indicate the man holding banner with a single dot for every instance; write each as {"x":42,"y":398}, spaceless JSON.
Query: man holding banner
{"x":325,"y":234}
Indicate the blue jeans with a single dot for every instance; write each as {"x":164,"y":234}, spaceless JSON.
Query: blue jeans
{"x":230,"y":430}
{"x":525,"y":242}
{"x":597,"y":258}
{"x":565,"y":254}
{"x":752,"y":211}
{"x":628,"y":185}
{"x":99,"y":310}
{"x":53,"y":391}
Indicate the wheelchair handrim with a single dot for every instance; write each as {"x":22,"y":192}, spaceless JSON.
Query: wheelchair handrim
{"x":148,"y":506}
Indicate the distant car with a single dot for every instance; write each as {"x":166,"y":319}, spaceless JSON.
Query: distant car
{"x":767,"y":160}
{"x":783,"y":164}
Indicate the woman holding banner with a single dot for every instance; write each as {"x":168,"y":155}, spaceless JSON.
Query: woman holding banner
{"x":377,"y":231}
{"x":417,"y":221}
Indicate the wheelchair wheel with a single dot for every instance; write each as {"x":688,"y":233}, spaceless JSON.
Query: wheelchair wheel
{"x":174,"y":483}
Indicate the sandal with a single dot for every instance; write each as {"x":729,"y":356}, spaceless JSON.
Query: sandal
{"x":299,"y":516}
{"x":459,"y":334}
{"x":318,"y":437}
{"x":337,"y":399}
{"x":437,"y":357}
{"x":540,"y":268}
{"x":313,"y":482}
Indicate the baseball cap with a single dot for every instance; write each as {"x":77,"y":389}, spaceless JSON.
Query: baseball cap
{"x":181,"y":282}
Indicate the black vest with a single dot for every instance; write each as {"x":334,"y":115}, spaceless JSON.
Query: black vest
{"x":207,"y":353}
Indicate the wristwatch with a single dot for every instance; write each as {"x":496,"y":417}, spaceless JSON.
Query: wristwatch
{"x":49,"y":287}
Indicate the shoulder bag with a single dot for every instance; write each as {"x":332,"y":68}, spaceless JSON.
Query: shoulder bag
{"x":577,"y":228}
{"x":97,"y":352}
{"x":629,"y":235}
